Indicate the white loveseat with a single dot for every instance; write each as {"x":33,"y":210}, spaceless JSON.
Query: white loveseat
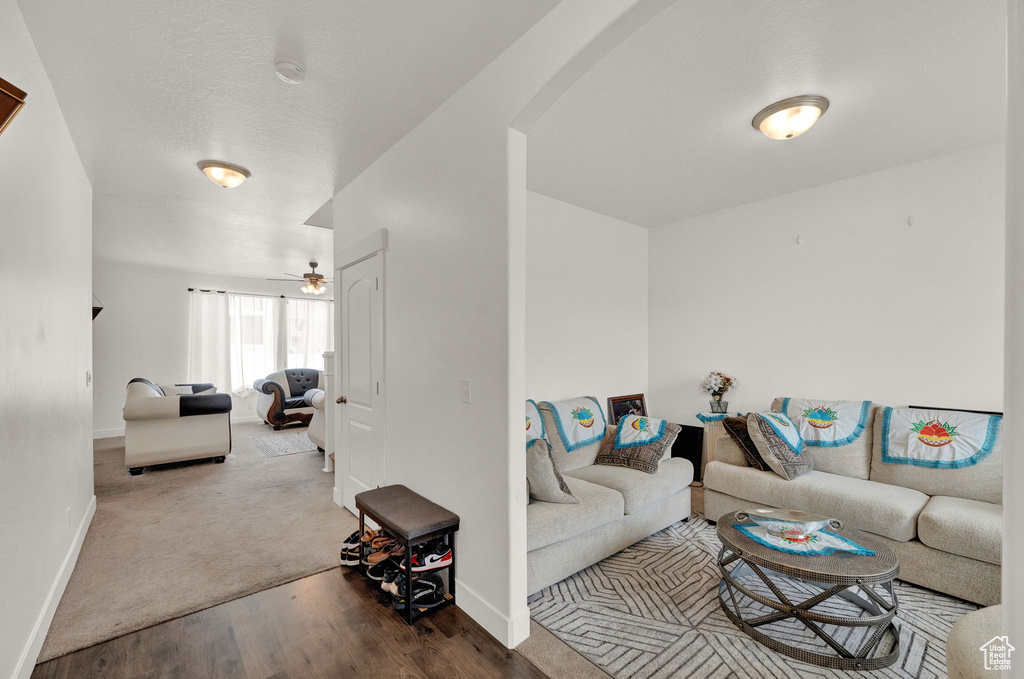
{"x":171,"y":423}
{"x":617,"y":507}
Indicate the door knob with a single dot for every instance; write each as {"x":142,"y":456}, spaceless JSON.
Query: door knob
{"x":342,"y":399}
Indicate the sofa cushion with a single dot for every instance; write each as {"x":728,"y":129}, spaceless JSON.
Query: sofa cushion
{"x":295,"y":402}
{"x":548,"y":522}
{"x":982,"y":481}
{"x":779,"y":443}
{"x":581,"y":456}
{"x":878,"y":508}
{"x":965,"y":527}
{"x":640,"y":455}
{"x":728,"y":451}
{"x":736,"y":427}
{"x":640,"y":489}
{"x":850,"y":454}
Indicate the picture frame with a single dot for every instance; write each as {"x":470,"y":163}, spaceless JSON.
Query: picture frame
{"x":11,"y":102}
{"x":620,"y":406}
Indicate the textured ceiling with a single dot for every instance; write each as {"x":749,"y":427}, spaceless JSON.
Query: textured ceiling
{"x":149,"y":88}
{"x":660,"y":129}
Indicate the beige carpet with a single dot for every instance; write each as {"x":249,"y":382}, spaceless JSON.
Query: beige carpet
{"x":555,"y":658}
{"x":183,"y":537}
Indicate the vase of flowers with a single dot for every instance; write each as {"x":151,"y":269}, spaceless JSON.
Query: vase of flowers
{"x":716,"y":384}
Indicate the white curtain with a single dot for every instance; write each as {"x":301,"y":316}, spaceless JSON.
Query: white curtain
{"x":210,"y":340}
{"x":238,"y":339}
{"x":309,"y":332}
{"x":254,"y":340}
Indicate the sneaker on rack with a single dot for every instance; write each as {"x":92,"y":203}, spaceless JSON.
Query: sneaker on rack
{"x":351,"y":542}
{"x":427,"y":592}
{"x":350,"y":557}
{"x":431,"y":556}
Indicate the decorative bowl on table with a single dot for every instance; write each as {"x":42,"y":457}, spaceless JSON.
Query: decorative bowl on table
{"x":791,"y":524}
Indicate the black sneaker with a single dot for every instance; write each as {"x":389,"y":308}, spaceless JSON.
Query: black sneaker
{"x":378,"y":570}
{"x":389,"y":583}
{"x":350,"y":557}
{"x":351,"y":542}
{"x":427,"y":592}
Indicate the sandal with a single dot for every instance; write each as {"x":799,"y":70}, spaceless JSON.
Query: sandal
{"x":387,"y":552}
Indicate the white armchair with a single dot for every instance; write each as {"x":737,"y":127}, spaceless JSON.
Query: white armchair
{"x":282,"y":395}
{"x":172,"y":423}
{"x":317,"y":399}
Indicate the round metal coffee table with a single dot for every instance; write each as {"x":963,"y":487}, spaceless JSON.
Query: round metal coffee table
{"x":800,"y":583}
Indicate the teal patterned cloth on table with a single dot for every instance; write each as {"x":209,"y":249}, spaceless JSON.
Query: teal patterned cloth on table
{"x":821,"y":542}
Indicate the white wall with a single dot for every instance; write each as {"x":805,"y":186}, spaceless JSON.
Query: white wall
{"x":865,"y":307}
{"x":586,"y":308}
{"x":143,"y":331}
{"x":46,"y":485}
{"x":455,"y":300}
{"x":1013,"y":464}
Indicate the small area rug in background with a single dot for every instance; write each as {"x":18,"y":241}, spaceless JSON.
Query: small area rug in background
{"x":187,"y":536}
{"x":652,"y":612}
{"x":283,"y":443}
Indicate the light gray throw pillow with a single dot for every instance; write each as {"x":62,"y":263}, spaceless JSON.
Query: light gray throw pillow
{"x":546,"y":484}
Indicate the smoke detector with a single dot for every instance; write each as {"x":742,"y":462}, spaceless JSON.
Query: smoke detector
{"x":292,"y":72}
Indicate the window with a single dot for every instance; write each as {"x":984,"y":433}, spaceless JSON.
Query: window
{"x":237,"y":339}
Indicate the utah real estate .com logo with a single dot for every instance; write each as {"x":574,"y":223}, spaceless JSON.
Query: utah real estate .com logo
{"x":997,"y":653}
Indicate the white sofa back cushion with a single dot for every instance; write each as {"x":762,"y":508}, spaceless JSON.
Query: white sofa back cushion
{"x":585,"y":444}
{"x":982,"y":480}
{"x":842,"y":448}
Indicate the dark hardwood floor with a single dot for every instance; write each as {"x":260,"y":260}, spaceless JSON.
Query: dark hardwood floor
{"x":327,"y":625}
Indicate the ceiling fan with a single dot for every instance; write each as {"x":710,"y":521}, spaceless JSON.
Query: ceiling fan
{"x":314,"y":281}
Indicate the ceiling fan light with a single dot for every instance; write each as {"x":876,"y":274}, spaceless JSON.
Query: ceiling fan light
{"x":224,"y":174}
{"x":791,"y":117}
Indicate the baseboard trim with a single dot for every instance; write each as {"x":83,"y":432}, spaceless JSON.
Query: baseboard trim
{"x":510,"y":632}
{"x":337,"y":497}
{"x":27,"y":662}
{"x":107,"y":433}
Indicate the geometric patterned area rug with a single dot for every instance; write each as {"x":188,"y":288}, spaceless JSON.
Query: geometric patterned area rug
{"x":652,"y":612}
{"x":283,"y":443}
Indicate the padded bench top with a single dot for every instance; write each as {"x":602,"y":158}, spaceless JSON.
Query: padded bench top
{"x":406,"y":514}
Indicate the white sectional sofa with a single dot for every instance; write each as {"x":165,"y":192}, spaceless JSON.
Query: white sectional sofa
{"x":617,"y":507}
{"x":948,"y":539}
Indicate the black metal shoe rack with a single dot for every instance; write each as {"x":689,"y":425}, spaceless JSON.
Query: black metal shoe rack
{"x":411,"y":535}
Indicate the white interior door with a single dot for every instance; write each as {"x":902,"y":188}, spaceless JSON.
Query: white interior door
{"x":359,"y":302}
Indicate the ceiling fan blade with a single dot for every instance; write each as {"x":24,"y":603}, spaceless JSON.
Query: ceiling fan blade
{"x":293,"y":274}
{"x":286,"y":280}
{"x":326,"y":280}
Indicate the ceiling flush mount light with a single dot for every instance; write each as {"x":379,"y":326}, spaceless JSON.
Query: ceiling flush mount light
{"x":292,"y":72}
{"x":224,"y":174}
{"x":790,"y":117}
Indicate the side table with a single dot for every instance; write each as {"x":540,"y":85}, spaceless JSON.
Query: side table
{"x":413,"y":520}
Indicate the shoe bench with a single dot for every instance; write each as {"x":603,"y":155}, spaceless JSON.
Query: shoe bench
{"x":412,"y":520}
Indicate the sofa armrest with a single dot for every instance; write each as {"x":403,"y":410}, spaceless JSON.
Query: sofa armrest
{"x":204,"y":404}
{"x":200,"y":387}
{"x":728,"y":451}
{"x":155,"y":408}
{"x":268,"y":387}
{"x":315,"y":398}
